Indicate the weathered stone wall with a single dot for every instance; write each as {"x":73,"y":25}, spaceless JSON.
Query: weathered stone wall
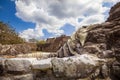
{"x":114,"y":14}
{"x":72,"y":68}
{"x":53,"y":44}
{"x":95,"y":50}
{"x":15,"y":49}
{"x":102,"y":40}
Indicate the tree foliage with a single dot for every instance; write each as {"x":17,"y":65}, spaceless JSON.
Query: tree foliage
{"x":8,"y":35}
{"x":41,"y":42}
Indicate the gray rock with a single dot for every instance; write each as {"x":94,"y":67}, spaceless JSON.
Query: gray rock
{"x":76,"y":67}
{"x":24,"y":77}
{"x":115,"y":71}
{"x":17,"y":64}
{"x":44,"y":64}
{"x":5,"y":78}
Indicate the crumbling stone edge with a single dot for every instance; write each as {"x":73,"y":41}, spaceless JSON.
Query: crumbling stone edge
{"x":67,"y":68}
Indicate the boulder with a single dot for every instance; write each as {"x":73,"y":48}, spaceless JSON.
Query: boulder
{"x":76,"y":67}
{"x":17,"y":65}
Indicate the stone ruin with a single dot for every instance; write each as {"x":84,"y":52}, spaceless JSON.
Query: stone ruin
{"x":53,"y":44}
{"x":92,"y":53}
{"x":71,"y":68}
{"x":15,"y":49}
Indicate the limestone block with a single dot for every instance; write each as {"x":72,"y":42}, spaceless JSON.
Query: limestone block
{"x":18,"y":64}
{"x":44,"y":64}
{"x":76,"y":67}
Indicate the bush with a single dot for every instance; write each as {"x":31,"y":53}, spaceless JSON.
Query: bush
{"x":41,"y":42}
{"x":8,"y":35}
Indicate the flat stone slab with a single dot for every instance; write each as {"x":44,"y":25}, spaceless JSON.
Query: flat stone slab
{"x":43,"y":64}
{"x":18,"y":64}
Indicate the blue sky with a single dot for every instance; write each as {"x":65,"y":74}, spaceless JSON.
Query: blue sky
{"x":7,"y":15}
{"x":53,"y":18}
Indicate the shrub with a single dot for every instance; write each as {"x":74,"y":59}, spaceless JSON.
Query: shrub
{"x":8,"y":35}
{"x":41,"y":42}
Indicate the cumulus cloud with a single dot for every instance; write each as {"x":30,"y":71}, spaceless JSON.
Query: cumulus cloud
{"x":112,"y":1}
{"x":53,"y":14}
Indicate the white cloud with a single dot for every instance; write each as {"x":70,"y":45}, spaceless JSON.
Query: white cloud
{"x":112,"y":1}
{"x":53,"y":14}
